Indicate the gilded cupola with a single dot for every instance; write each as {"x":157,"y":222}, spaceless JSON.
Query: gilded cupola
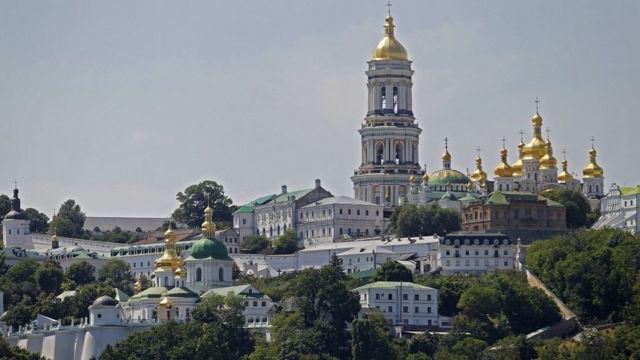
{"x":208,"y":226}
{"x":425,"y":177}
{"x":503,"y":169}
{"x":517,"y":166}
{"x":479,"y":174}
{"x":548,"y":161}
{"x":389,"y":48}
{"x":412,"y":179}
{"x":564,"y":176}
{"x":592,"y":170}
{"x":535,"y":149}
{"x":169,"y":260}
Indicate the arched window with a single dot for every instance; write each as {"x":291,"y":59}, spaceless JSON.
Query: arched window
{"x":598,"y":189}
{"x":399,"y":153}
{"x":166,"y":281}
{"x":395,"y":99}
{"x":221,"y":274}
{"x":198,"y":274}
{"x":414,"y":153}
{"x":383,"y":97}
{"x":499,"y":187}
{"x":589,"y":187}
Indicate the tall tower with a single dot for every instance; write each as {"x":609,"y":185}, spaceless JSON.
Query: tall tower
{"x":15,"y":226}
{"x":593,"y":176}
{"x":390,"y":134}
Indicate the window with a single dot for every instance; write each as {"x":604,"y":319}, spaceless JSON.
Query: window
{"x":358,"y":212}
{"x":198,"y":274}
{"x":264,"y":303}
{"x":506,"y":252}
{"x":377,"y":296}
{"x":99,"y":316}
{"x":428,"y":297}
{"x":429,"y":310}
{"x":255,"y":304}
{"x":377,"y":212}
{"x":405,"y":296}
{"x":416,"y":297}
{"x":390,"y":308}
{"x":340,"y":211}
{"x":366,"y":212}
{"x":390,"y":296}
{"x":405,"y":309}
{"x":349,"y":212}
{"x":221,"y":274}
{"x":416,"y":309}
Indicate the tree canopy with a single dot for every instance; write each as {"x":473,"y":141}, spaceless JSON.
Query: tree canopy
{"x":287,"y":243}
{"x":414,"y":220}
{"x":69,"y":221}
{"x":255,"y":244}
{"x":195,"y":198}
{"x":393,"y":271}
{"x":116,"y":273}
{"x":38,"y":222}
{"x":577,"y":206}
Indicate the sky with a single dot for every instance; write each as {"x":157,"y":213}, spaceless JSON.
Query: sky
{"x":121,"y":104}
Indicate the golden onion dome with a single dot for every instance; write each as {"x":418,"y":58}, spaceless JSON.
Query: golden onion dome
{"x":535,"y":149}
{"x":166,"y":303}
{"x":564,"y":175}
{"x":503,"y":169}
{"x":425,"y":178}
{"x":548,"y":161}
{"x":412,"y":179}
{"x":389,"y":48}
{"x":517,"y":166}
{"x":137,"y":287}
{"x":445,"y":155}
{"x":479,"y":174}
{"x":469,"y":186}
{"x":169,"y":259}
{"x":592,"y":170}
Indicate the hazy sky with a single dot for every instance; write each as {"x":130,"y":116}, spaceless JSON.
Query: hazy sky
{"x":120,"y":104}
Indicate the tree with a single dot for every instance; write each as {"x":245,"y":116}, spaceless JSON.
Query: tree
{"x":196,"y":198}
{"x":116,"y":273}
{"x":69,"y":221}
{"x":85,"y":296}
{"x":16,"y":353}
{"x":145,"y":283}
{"x":413,"y":220}
{"x":577,"y":206}
{"x":393,"y":271}
{"x":81,"y":273}
{"x":49,"y":277}
{"x":5,"y":205}
{"x":38,"y":222}
{"x":370,"y":339}
{"x":478,"y":302}
{"x":287,"y":243}
{"x":254,"y":244}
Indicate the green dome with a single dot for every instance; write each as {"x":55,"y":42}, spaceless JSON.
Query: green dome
{"x":448,"y":176}
{"x":448,"y":196}
{"x":208,"y":248}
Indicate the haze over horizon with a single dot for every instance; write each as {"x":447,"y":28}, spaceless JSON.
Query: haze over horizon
{"x":120,"y":105}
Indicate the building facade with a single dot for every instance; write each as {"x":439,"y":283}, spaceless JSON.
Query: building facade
{"x":620,"y":209}
{"x":390,"y":135}
{"x":402,"y":303}
{"x":475,"y":253}
{"x":15,"y":226}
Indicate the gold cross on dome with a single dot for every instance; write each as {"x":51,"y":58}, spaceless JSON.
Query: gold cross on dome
{"x":548,"y":131}
{"x":593,"y":140}
{"x":521,"y":134}
{"x":446,"y":143}
{"x":504,"y":142}
{"x":537,"y":101}
{"x":389,"y":7}
{"x":478,"y":150}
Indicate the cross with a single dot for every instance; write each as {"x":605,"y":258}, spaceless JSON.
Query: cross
{"x":446,"y":143}
{"x":15,"y":184}
{"x":564,"y":154}
{"x":521,"y":134}
{"x":503,"y":142}
{"x":537,"y":101}
{"x":548,"y":131}
{"x":592,"y":141}
{"x":389,"y":7}
{"x":478,"y":150}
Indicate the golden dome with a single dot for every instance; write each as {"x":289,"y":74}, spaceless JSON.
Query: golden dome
{"x":469,"y":186}
{"x":169,"y":259}
{"x":479,"y":174}
{"x":425,"y":178}
{"x":412,"y":179}
{"x":208,"y":226}
{"x":445,"y":155}
{"x":166,"y":303}
{"x":535,"y":148}
{"x":137,"y":287}
{"x":548,"y":161}
{"x":181,"y":272}
{"x":564,"y":175}
{"x":389,"y":48}
{"x":517,"y":166}
{"x":503,"y":169}
{"x":592,"y":170}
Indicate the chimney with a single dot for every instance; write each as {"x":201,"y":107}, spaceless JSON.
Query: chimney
{"x":284,"y":189}
{"x":317,"y":183}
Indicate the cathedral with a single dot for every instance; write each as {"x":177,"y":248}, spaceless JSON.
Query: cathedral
{"x":390,"y":172}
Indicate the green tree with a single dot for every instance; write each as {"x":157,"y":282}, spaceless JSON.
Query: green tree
{"x":49,"y":277}
{"x":254,"y":244}
{"x":577,"y":206}
{"x":70,"y":220}
{"x":38,"y":222}
{"x":196,"y":198}
{"x":393,"y":271}
{"x":81,"y":273}
{"x":15,"y":353}
{"x":116,"y":273}
{"x":287,"y":243}
{"x":145,"y":283}
{"x":413,"y":220}
{"x":479,"y":302}
{"x":5,"y":205}
{"x":85,"y":296}
{"x":370,"y":340}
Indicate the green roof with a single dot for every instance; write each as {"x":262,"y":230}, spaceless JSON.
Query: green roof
{"x":506,"y":197}
{"x":181,"y":292}
{"x":448,"y":196}
{"x":363,"y":274}
{"x":296,"y":194}
{"x":250,"y":206}
{"x":241,"y":290}
{"x":121,"y":296}
{"x":152,"y":292}
{"x":448,"y":176}
{"x":209,"y":248}
{"x":469,"y":197}
{"x":630,"y":190}
{"x":392,"y":284}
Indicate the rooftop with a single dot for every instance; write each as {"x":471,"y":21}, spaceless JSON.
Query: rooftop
{"x":339,"y":200}
{"x":392,"y":285}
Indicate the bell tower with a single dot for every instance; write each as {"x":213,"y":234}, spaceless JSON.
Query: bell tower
{"x":390,"y":134}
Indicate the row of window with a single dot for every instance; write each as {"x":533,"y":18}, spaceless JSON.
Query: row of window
{"x":405,"y":309}
{"x":476,"y":242}
{"x":516,"y":214}
{"x":255,"y":303}
{"x":328,"y":232}
{"x":327,"y":212}
{"x":405,"y":297}
{"x":476,"y":252}
{"x":477,"y":262}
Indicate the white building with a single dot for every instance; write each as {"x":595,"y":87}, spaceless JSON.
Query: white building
{"x":334,"y":218}
{"x":475,"y":253}
{"x":15,"y":226}
{"x":259,"y":309}
{"x":620,"y":209}
{"x":366,"y":258}
{"x":230,"y":239}
{"x":402,"y":303}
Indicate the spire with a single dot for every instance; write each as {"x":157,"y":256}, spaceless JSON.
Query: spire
{"x":54,"y":234}
{"x":535,"y":148}
{"x":592,"y":170}
{"x":169,"y":260}
{"x":503,"y":169}
{"x":208,"y":226}
{"x":446,"y":157}
{"x":479,"y":174}
{"x":548,"y":162}
{"x":389,"y":48}
{"x":564,"y":176}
